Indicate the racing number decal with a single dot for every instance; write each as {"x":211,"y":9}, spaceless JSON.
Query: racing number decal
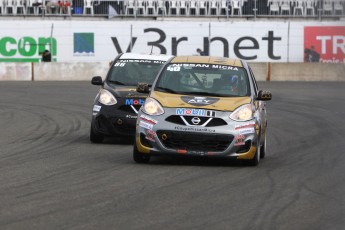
{"x":174,"y":68}
{"x":120,"y":64}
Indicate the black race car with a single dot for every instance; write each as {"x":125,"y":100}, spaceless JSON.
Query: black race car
{"x":117,"y":103}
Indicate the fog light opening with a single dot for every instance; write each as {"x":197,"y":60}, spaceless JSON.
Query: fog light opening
{"x":144,"y":141}
{"x":244,"y":148}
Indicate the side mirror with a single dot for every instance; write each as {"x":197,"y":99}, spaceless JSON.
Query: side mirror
{"x":143,"y":88}
{"x":97,"y":80}
{"x":264,"y":95}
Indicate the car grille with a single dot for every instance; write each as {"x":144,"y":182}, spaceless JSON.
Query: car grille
{"x":210,"y":142}
{"x":129,"y":109}
{"x":176,"y":119}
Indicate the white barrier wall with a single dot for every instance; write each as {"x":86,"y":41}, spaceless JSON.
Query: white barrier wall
{"x":85,"y":71}
{"x":61,"y":71}
{"x":259,"y":70}
{"x":15,"y":71}
{"x":307,"y":72}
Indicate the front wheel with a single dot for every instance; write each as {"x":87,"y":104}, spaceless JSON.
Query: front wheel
{"x":94,"y":137}
{"x":139,"y":157}
{"x":263,"y":149}
{"x":256,"y":159}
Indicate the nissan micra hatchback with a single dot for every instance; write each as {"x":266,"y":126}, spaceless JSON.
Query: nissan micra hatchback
{"x":203,"y":106}
{"x":117,"y":103}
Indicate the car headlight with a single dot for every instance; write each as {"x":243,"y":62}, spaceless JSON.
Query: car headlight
{"x":152,"y":107}
{"x":106,"y":98}
{"x":242,"y":113}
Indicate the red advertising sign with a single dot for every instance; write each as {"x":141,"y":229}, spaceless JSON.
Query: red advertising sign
{"x":324,"y":44}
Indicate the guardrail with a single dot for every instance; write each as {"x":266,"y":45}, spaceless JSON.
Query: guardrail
{"x":317,"y":9}
{"x":56,"y":71}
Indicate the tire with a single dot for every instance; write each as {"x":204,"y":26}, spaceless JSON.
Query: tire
{"x":256,"y":159}
{"x":139,"y":157}
{"x":94,"y":137}
{"x":263,"y":149}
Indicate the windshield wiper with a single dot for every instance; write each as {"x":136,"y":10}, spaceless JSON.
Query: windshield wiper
{"x":163,"y":89}
{"x":116,"y":82}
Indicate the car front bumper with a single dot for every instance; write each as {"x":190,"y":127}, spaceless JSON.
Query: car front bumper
{"x":157,"y":136}
{"x":112,"y":121}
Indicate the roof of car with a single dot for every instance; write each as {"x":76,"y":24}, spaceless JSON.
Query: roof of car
{"x":207,"y":60}
{"x":145,"y":56}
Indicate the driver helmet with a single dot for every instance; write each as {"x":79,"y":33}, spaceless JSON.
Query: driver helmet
{"x":234,"y":79}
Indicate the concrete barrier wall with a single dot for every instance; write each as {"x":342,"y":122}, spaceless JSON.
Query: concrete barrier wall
{"x":259,"y":70}
{"x":85,"y":71}
{"x":15,"y":71}
{"x":307,"y":72}
{"x":50,"y":71}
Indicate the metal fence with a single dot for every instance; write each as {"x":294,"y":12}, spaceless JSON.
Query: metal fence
{"x":317,"y":9}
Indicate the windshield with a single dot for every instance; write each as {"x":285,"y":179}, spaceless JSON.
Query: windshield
{"x":204,"y":79}
{"x":133,"y":71}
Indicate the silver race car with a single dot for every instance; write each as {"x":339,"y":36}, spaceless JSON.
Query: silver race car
{"x":203,"y":106}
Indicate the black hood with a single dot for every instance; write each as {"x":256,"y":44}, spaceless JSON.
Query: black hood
{"x":124,"y":91}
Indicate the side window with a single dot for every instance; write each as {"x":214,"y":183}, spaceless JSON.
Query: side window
{"x":254,"y":81}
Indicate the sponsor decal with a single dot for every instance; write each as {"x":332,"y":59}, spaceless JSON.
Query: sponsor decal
{"x":148,"y":119}
{"x":131,"y":117}
{"x":201,"y":153}
{"x":192,"y":65}
{"x":244,"y":126}
{"x":177,"y":67}
{"x":226,"y":67}
{"x":194,"y":129}
{"x":195,"y":112}
{"x":83,"y":44}
{"x":145,"y":125}
{"x":150,"y":135}
{"x":246,"y":131}
{"x":131,"y":95}
{"x":26,"y":49}
{"x":239,"y":140}
{"x":96,"y":108}
{"x":133,"y":101}
{"x":324,"y":44}
{"x":192,"y":152}
{"x":199,"y":101}
{"x":240,"y":43}
{"x":140,"y":61}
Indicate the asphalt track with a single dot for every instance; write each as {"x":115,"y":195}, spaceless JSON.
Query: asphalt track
{"x":52,"y":177}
